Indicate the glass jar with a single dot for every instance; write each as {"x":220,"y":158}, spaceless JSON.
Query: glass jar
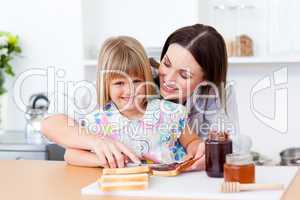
{"x":239,"y":167}
{"x":243,"y":25}
{"x":217,"y":146}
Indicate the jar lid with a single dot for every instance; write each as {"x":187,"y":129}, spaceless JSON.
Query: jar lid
{"x":218,"y":136}
{"x":239,"y":159}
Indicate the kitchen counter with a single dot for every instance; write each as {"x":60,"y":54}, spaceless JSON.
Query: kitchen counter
{"x":55,"y":180}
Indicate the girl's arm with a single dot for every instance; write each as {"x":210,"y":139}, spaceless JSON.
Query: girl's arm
{"x":85,"y":158}
{"x":113,"y":153}
{"x":66,"y":132}
{"x":82,"y":158}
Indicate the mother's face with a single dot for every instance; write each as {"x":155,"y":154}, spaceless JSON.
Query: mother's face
{"x":179,"y":73}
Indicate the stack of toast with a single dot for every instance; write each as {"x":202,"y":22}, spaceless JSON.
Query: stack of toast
{"x":137,"y":177}
{"x":130,"y":178}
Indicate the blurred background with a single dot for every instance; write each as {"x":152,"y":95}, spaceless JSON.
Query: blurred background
{"x":262,"y":38}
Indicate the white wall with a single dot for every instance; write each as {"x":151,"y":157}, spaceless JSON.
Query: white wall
{"x":266,"y":139}
{"x":51,"y":35}
{"x":148,"y":21}
{"x":52,"y":32}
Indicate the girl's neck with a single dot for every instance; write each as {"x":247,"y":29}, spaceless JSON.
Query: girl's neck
{"x":134,"y":113}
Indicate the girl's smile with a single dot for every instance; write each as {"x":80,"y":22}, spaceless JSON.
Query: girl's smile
{"x":128,"y":98}
{"x":128,"y":95}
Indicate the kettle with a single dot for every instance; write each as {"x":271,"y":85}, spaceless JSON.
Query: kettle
{"x":36,"y":110}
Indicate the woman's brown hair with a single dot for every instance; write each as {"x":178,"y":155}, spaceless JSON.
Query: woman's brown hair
{"x":208,"y":48}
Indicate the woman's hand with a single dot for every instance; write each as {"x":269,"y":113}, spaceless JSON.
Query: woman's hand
{"x":112,"y":154}
{"x":196,"y":150}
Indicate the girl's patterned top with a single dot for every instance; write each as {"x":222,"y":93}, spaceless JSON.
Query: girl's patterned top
{"x":154,"y":137}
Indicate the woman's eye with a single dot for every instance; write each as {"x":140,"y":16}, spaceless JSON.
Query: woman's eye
{"x":184,"y":75}
{"x":167,"y":64}
{"x":137,"y":81}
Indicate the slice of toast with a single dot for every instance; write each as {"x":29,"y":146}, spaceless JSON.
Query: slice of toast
{"x":128,"y":178}
{"x":126,"y":170}
{"x":144,"y":177}
{"x":133,"y":185}
{"x":165,"y":170}
{"x":172,"y":169}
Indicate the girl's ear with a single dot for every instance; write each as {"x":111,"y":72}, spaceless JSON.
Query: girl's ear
{"x":154,"y":63}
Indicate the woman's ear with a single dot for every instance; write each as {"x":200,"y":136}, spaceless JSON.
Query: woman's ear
{"x":204,"y":83}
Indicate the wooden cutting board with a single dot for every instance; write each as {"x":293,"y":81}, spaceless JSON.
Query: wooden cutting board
{"x":197,"y":185}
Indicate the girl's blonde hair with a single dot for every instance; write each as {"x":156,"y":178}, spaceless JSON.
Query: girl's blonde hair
{"x":120,"y":55}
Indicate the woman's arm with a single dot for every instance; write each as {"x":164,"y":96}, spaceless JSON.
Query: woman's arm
{"x":188,"y":136}
{"x":189,"y":139}
{"x":195,"y":148}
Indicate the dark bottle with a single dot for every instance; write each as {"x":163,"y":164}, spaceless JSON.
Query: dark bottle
{"x":217,"y":146}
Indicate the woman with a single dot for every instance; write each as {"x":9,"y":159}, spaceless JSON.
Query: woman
{"x":192,"y":72}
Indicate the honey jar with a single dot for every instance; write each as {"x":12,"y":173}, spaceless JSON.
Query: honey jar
{"x":239,"y":167}
{"x":217,"y":146}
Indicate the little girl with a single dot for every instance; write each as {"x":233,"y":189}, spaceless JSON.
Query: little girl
{"x":155,"y":130}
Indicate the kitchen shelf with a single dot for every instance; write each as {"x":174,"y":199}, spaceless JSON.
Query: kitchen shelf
{"x":263,"y":60}
{"x":236,"y":60}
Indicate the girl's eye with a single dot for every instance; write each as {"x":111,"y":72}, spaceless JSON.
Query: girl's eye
{"x":137,"y":81}
{"x":119,"y":83}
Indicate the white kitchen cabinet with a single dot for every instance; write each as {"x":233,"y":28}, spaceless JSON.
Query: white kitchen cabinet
{"x":15,"y":146}
{"x":270,"y":23}
{"x":284,"y":29}
{"x":23,"y":155}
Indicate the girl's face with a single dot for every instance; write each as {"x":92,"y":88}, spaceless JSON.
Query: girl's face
{"x":179,"y":73}
{"x":128,"y":93}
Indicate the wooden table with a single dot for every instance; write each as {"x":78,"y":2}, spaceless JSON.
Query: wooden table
{"x":55,"y":180}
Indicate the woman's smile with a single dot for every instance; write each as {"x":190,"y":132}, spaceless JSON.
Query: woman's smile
{"x":179,"y":73}
{"x":169,"y":87}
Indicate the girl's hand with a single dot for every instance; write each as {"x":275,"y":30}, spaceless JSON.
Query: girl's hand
{"x":196,"y":150}
{"x":112,"y":154}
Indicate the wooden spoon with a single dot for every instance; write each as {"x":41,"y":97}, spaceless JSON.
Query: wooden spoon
{"x":237,"y":187}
